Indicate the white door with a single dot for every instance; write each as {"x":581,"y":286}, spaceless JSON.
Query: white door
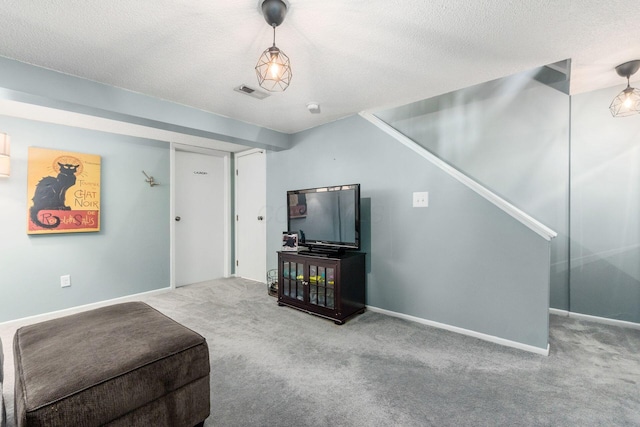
{"x":251,"y":201}
{"x":199,"y":217}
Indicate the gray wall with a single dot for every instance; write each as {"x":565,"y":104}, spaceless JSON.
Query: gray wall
{"x":129,"y":255}
{"x":461,"y":261}
{"x":512,"y":136}
{"x":605,"y":208}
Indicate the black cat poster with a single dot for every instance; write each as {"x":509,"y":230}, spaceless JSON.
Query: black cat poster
{"x":63,"y":192}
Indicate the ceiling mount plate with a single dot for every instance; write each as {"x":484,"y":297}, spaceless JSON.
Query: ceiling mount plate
{"x":628,"y":68}
{"x":274,"y":11}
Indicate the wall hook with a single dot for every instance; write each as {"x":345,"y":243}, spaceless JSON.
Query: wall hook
{"x":150,"y":180}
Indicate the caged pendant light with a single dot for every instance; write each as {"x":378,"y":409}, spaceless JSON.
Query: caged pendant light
{"x":627,"y":102}
{"x":273,"y":68}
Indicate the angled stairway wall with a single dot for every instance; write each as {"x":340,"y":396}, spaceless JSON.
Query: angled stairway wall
{"x":510,"y":136}
{"x":564,"y":161}
{"x":462,"y":263}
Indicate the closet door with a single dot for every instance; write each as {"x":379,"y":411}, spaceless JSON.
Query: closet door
{"x":199,"y":217}
{"x":251,"y":201}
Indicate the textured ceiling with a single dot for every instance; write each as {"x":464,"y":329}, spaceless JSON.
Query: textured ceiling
{"x":348,"y":56}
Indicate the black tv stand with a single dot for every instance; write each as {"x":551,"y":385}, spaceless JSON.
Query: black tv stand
{"x":328,"y":285}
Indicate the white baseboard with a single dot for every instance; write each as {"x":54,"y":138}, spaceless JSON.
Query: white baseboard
{"x":67,"y":311}
{"x":598,"y":319}
{"x":559,"y":312}
{"x":479,"y":335}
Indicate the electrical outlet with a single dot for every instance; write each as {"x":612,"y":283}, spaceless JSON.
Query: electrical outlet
{"x":65,"y":281}
{"x":421,"y":199}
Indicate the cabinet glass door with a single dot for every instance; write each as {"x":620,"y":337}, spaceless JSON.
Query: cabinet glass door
{"x":321,"y":286}
{"x":292,"y":280}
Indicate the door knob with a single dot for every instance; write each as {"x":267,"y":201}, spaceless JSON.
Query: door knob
{"x":260,"y":218}
{"x":177,"y":218}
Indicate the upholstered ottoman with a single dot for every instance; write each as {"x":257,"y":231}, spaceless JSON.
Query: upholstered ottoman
{"x":121,"y":365}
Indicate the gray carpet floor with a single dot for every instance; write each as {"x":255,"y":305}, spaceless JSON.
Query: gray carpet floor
{"x":276,"y":366}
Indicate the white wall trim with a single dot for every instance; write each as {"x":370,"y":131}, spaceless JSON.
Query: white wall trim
{"x":67,"y":311}
{"x":558,"y":312}
{"x":598,"y":319}
{"x":227,"y":215}
{"x":474,"y":334}
{"x":498,"y":201}
{"x":249,"y":152}
{"x":172,"y":215}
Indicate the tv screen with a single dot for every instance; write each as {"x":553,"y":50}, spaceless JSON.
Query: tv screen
{"x":326,"y":217}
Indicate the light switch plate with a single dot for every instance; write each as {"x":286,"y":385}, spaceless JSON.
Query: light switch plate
{"x":421,"y":199}
{"x":65,"y":281}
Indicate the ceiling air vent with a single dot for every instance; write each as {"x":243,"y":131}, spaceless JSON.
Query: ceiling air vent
{"x":251,"y":92}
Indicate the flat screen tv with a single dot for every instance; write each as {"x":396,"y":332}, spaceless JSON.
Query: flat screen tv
{"x":327,"y":219}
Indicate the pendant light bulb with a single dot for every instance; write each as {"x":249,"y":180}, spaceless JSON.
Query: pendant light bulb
{"x":274,"y":66}
{"x":274,"y":70}
{"x":628,"y":101}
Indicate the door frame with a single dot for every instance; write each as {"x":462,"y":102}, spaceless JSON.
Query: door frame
{"x":226,"y":204}
{"x":236,"y":196}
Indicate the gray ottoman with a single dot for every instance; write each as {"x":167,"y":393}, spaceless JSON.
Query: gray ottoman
{"x":122,"y":365}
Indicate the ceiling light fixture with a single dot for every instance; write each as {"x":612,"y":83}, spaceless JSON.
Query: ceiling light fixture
{"x":273,"y":68}
{"x":627,"y":102}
